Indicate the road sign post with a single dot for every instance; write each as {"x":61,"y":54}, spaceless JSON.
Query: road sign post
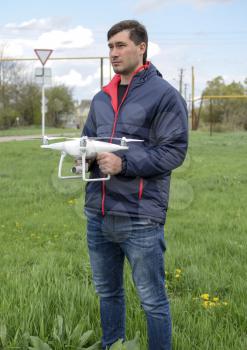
{"x":43,"y":55}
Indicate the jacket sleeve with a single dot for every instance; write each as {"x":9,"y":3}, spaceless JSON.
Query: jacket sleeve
{"x":168,"y":141}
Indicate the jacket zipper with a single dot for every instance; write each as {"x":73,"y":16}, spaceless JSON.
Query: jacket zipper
{"x":140,"y":189}
{"x":112,"y":135}
{"x":111,"y":138}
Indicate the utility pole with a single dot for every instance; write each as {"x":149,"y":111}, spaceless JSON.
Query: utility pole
{"x":185,"y":91}
{"x":181,"y":81}
{"x":193,"y":114}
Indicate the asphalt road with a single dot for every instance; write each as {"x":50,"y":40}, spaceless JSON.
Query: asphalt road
{"x":31,"y":137}
{"x":19,"y":138}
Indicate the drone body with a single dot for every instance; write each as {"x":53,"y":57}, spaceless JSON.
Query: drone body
{"x":84,"y":148}
{"x":75,"y":147}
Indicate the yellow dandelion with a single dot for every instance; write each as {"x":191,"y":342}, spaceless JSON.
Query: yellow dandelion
{"x":178,"y":271}
{"x":205,"y":304}
{"x":216,"y":299}
{"x":205,"y":296}
{"x":212,"y":304}
{"x":177,"y":275}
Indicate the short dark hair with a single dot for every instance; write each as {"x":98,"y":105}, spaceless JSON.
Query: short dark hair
{"x":137,"y":33}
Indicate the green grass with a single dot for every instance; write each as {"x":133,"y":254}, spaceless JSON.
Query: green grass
{"x":45,"y":272}
{"x":36,"y":130}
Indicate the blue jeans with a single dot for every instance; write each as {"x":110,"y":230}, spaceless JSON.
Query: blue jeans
{"x":110,"y":239}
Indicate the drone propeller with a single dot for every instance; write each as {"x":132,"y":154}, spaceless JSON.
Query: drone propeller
{"x":115,"y":138}
{"x":48,"y":138}
{"x":51,"y":138}
{"x":127,"y":140}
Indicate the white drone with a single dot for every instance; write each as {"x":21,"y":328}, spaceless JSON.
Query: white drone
{"x":85,"y":148}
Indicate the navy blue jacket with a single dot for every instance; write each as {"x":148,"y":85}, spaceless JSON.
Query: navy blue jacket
{"x":151,"y":110}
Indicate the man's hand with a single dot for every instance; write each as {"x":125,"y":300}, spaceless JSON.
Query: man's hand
{"x":109,"y":163}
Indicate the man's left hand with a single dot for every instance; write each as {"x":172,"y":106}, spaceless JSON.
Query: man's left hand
{"x":109,"y":163}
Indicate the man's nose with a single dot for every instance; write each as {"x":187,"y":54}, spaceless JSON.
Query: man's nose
{"x":114,"y":52}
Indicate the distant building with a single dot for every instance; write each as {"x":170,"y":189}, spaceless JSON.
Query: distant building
{"x":82,"y":111}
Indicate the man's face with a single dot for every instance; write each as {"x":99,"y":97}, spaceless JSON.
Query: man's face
{"x":125,"y":55}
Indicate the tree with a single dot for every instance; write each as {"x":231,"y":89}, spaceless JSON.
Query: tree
{"x":60,"y":104}
{"x":9,"y":86}
{"x":28,"y":104}
{"x":20,"y":97}
{"x":230,"y":112}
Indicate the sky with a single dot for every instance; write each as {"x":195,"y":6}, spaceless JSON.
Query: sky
{"x":210,"y":35}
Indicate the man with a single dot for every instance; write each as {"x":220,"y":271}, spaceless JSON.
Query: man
{"x":126,"y":214}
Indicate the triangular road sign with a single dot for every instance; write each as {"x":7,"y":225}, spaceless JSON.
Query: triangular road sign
{"x":43,"y":55}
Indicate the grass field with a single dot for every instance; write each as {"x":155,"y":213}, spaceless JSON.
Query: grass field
{"x":46,"y":285}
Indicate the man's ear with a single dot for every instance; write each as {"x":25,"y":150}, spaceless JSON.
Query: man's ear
{"x":142,"y":48}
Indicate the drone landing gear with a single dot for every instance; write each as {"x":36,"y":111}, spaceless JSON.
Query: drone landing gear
{"x":83,"y":175}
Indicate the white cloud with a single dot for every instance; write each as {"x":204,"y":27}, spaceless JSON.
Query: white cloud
{"x":153,"y":49}
{"x":14,"y":47}
{"x":74,"y":78}
{"x":77,"y":79}
{"x":38,"y":24}
{"x":106,"y":71}
{"x":148,"y":5}
{"x":210,"y":1}
{"x":77,"y":37}
{"x":201,"y":3}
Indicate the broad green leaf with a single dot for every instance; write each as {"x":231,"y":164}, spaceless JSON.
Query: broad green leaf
{"x":133,"y":344}
{"x":77,"y":332}
{"x":96,"y":346}
{"x":118,"y":345}
{"x":85,"y":338}
{"x":38,"y":344}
